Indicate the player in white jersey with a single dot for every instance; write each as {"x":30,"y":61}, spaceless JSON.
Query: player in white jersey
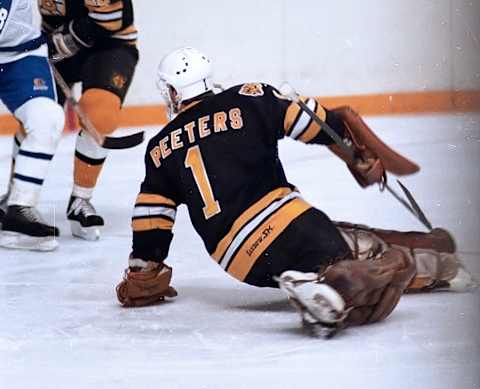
{"x":28,"y":91}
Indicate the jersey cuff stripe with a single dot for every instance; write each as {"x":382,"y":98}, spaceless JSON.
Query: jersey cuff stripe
{"x":30,"y":154}
{"x":147,"y":224}
{"x":144,"y":217}
{"x":117,"y":6}
{"x":31,"y":180}
{"x":140,"y":212}
{"x":314,"y":128}
{"x":104,"y":17}
{"x":145,"y":204}
{"x":245,"y":218}
{"x":152,"y":198}
{"x":264,"y":236}
{"x":291,"y":117}
{"x":303,"y":120}
{"x":310,"y":122}
{"x":90,"y":161}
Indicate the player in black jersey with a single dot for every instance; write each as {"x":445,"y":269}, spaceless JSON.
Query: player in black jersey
{"x":219,"y":157}
{"x":92,"y":42}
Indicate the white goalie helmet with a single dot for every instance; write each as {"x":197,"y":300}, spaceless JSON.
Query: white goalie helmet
{"x":182,"y":75}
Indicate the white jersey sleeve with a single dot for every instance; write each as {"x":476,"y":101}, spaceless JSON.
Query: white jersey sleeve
{"x":20,"y":23}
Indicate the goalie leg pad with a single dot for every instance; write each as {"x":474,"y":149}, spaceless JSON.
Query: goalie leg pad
{"x":438,"y":266}
{"x":349,"y":292}
{"x":372,"y":288}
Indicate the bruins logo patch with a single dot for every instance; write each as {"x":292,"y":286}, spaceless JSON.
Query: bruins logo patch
{"x":118,"y":81}
{"x":253,"y":89}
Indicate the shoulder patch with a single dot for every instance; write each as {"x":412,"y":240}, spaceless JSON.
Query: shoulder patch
{"x":251,"y":89}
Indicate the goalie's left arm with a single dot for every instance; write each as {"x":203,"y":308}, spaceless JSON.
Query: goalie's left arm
{"x":147,"y":278}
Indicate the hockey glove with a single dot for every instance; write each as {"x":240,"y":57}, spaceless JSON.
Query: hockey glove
{"x":145,"y":287}
{"x":372,"y":156}
{"x":63,"y":43}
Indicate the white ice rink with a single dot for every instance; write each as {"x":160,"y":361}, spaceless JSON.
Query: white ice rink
{"x":61,"y":326}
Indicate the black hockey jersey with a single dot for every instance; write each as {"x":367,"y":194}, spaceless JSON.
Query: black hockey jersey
{"x":93,"y":22}
{"x":219,"y":157}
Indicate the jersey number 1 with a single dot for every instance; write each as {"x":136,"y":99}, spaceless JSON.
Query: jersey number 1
{"x":194,"y":161}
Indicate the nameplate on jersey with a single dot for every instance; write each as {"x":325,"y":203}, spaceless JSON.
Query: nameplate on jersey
{"x":5,"y":6}
{"x":204,"y":127}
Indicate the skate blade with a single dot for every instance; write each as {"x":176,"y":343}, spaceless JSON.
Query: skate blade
{"x":17,"y":241}
{"x":86,"y":233}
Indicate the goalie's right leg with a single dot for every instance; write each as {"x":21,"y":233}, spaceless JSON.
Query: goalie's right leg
{"x":349,"y":292}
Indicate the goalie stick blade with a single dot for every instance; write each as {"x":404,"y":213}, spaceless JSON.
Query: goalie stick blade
{"x":123,"y":142}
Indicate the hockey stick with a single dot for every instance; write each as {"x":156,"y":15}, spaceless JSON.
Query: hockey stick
{"x":108,"y":142}
{"x":413,"y":207}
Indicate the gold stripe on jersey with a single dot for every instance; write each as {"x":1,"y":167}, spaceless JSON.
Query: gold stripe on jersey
{"x":292,"y":115}
{"x":150,"y":198}
{"x":115,"y":25}
{"x":298,"y":124}
{"x":128,"y":35}
{"x":245,"y":217}
{"x":153,"y":223}
{"x":103,"y":6}
{"x":263,"y":237}
{"x":313,"y":128}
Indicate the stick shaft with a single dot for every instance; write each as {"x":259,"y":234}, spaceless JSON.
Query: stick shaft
{"x":87,"y":124}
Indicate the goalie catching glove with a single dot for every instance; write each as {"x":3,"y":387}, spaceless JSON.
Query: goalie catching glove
{"x":372,"y":156}
{"x":349,"y":292}
{"x":145,"y":283}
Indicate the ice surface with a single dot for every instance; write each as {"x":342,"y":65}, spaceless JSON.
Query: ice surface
{"x":61,"y":327}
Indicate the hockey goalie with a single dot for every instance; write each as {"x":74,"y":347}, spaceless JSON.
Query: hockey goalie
{"x":218,"y":155}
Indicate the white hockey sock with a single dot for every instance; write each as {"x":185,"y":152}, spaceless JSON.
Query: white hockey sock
{"x":83,"y":193}
{"x":29,"y":173}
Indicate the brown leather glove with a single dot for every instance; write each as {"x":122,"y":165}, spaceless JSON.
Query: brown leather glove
{"x":372,"y":288}
{"x":372,"y":156}
{"x":140,"y":288}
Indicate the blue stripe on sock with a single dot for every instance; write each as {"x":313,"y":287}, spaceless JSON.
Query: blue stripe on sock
{"x":31,"y":154}
{"x":32,"y":180}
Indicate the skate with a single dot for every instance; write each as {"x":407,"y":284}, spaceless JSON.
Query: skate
{"x":321,"y":308}
{"x":23,"y":228}
{"x":84,"y":221}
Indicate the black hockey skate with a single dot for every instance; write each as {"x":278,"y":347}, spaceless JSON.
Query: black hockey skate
{"x":84,"y":221}
{"x":23,"y":228}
